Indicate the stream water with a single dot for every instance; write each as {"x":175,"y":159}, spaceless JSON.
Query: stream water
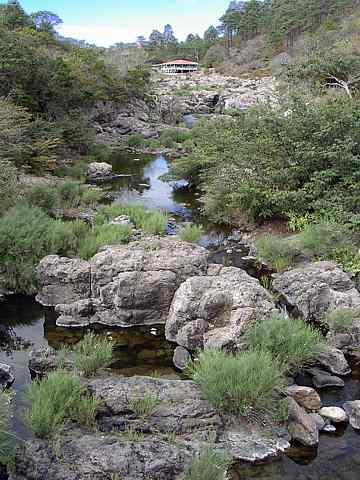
{"x":145,"y":350}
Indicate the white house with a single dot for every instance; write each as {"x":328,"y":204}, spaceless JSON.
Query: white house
{"x":177,"y":66}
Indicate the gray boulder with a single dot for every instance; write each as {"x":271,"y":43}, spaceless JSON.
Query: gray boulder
{"x":353,"y":411}
{"x":181,"y":358}
{"x":322,"y":379}
{"x":45,"y":359}
{"x":7,"y":376}
{"x":303,"y":427}
{"x":333,"y":360}
{"x":317,"y":288}
{"x":99,"y":171}
{"x":306,"y":397}
{"x":334,"y":414}
{"x":214,"y":310}
{"x":124,"y":286}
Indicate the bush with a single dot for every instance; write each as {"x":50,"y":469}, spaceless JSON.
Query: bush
{"x":27,"y":235}
{"x":70,"y":193}
{"x":290,"y":342}
{"x":152,"y":222}
{"x":209,"y":465}
{"x":7,"y":439}
{"x":145,"y":406}
{"x":279,"y":253}
{"x":173,"y":135}
{"x":136,"y":140}
{"x":101,"y":236}
{"x":43,"y":196}
{"x":55,"y":400}
{"x":9,"y":189}
{"x":240,"y":383}
{"x":91,"y":197}
{"x":190,"y":232}
{"x":341,"y":320}
{"x":321,"y":239}
{"x":92,"y":353}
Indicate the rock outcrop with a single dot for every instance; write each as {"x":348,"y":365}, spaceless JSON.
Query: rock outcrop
{"x":99,"y":172}
{"x":122,"y":286}
{"x":317,"y":288}
{"x":214,"y":310}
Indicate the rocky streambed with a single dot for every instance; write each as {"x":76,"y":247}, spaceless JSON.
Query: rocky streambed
{"x":160,"y":299}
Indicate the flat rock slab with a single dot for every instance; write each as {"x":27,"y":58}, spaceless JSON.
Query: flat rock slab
{"x":214,"y":310}
{"x":317,"y":288}
{"x":322,"y":379}
{"x":333,"y":360}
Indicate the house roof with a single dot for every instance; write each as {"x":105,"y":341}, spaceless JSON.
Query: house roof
{"x":180,"y":62}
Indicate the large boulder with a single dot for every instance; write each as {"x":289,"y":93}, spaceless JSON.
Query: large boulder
{"x":352,"y":409}
{"x":303,"y":427}
{"x":333,"y":360}
{"x":214,"y":310}
{"x":334,"y":414}
{"x":306,"y":397}
{"x":99,"y":172}
{"x":7,"y":376}
{"x":124,"y":286}
{"x":317,"y":288}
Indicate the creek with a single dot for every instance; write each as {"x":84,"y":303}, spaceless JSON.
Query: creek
{"x":144,"y":351}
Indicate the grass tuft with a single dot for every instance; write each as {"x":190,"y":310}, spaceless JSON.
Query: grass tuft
{"x":100,"y":236}
{"x":92,"y":353}
{"x":190,"y":232}
{"x":145,"y":406}
{"x":240,"y":383}
{"x":290,"y":341}
{"x":209,"y":465}
{"x":341,"y":320}
{"x":279,"y":253}
{"x":7,"y":439}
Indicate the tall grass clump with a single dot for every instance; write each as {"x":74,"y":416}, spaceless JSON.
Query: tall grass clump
{"x":190,"y":232}
{"x":322,"y":239}
{"x":27,"y":234}
{"x":279,"y":253}
{"x":341,"y":320}
{"x":240,"y":383}
{"x":54,"y":401}
{"x":101,"y":236}
{"x":211,"y":464}
{"x":92,"y":353}
{"x":289,"y":341}
{"x":7,"y":439}
{"x":153,"y":222}
{"x":145,"y":406}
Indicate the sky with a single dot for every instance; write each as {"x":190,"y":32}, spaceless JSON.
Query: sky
{"x":105,"y":22}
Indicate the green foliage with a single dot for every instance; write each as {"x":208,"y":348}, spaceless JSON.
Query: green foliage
{"x":291,"y":342}
{"x":27,"y":235}
{"x":42,"y":196}
{"x":321,"y":239}
{"x":9,"y":189}
{"x":136,"y":140}
{"x":211,"y":464}
{"x":92,"y":353}
{"x":153,"y":222}
{"x":171,"y":136}
{"x":301,"y":157}
{"x":103,"y":235}
{"x":239,"y":383}
{"x":85,"y":410}
{"x":277,"y":252}
{"x":54,"y":401}
{"x":190,"y":232}
{"x":341,"y":320}
{"x":145,"y":406}
{"x":7,"y":439}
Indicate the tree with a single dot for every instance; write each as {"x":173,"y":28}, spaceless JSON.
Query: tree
{"x":141,"y":40}
{"x":211,"y":35}
{"x":46,"y":21}
{"x":13,"y":16}
{"x":156,"y":38}
{"x":168,"y":35}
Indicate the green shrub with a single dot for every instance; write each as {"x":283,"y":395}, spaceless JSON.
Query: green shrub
{"x":321,"y":239}
{"x":9,"y":189}
{"x":90,"y":197}
{"x":291,"y":342}
{"x":145,"y":406}
{"x":341,"y":320}
{"x":136,"y":140}
{"x":211,"y":464}
{"x":70,"y":193}
{"x":347,"y":256}
{"x":27,"y":235}
{"x":7,"y":439}
{"x":55,"y":400}
{"x":103,"y":235}
{"x":279,"y":253}
{"x":85,"y":410}
{"x":153,"y":222}
{"x":69,"y":236}
{"x":239,"y":383}
{"x":76,"y":170}
{"x":173,"y":135}
{"x":92,"y":353}
{"x":190,"y":232}
{"x":43,"y":196}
